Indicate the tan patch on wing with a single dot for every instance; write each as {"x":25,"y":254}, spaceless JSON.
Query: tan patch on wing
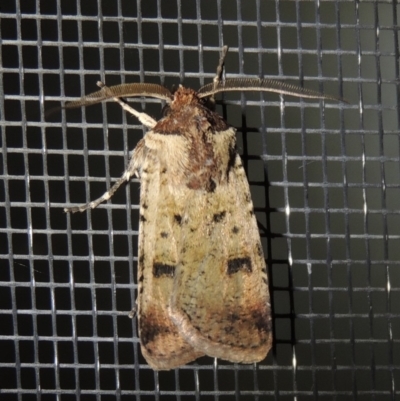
{"x":203,"y":286}
{"x":162,"y":344}
{"x":220,"y":296}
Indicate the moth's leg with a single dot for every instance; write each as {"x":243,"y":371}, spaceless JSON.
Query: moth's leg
{"x":147,"y":121}
{"x":128,"y":173}
{"x":218,"y":75}
{"x":144,"y":118}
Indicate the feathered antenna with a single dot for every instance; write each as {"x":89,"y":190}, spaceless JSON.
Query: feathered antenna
{"x":123,"y":90}
{"x":264,"y":85}
{"x":117,"y":93}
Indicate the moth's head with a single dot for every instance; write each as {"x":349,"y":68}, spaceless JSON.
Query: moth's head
{"x":184,"y":97}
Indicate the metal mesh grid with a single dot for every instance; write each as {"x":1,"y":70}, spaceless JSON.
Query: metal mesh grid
{"x":324,"y":178}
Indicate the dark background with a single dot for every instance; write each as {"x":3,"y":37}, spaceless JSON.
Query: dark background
{"x":324,"y":179}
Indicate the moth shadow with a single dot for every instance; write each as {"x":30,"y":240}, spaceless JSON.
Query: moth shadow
{"x":272,"y":223}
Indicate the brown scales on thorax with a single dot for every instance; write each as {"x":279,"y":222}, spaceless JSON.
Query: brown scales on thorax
{"x":187,"y":110}
{"x":190,"y":118}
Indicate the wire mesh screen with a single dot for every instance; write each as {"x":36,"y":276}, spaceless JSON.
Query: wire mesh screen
{"x":324,"y":178}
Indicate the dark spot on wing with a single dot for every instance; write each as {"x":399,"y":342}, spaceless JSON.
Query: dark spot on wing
{"x":211,"y":186}
{"x":150,"y":330}
{"x":232,"y":157}
{"x":236,"y":264}
{"x":235,"y":230}
{"x":262,"y":320}
{"x":142,"y":218}
{"x":144,"y":206}
{"x":164,"y":234}
{"x":233,"y":317}
{"x":162,"y":269}
{"x":219,"y":217}
{"x":178,"y":218}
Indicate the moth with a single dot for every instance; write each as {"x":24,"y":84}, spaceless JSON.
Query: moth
{"x":202,"y":277}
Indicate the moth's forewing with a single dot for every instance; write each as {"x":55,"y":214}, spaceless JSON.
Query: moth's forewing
{"x":202,"y":277}
{"x":220,"y":299}
{"x":162,"y":345}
